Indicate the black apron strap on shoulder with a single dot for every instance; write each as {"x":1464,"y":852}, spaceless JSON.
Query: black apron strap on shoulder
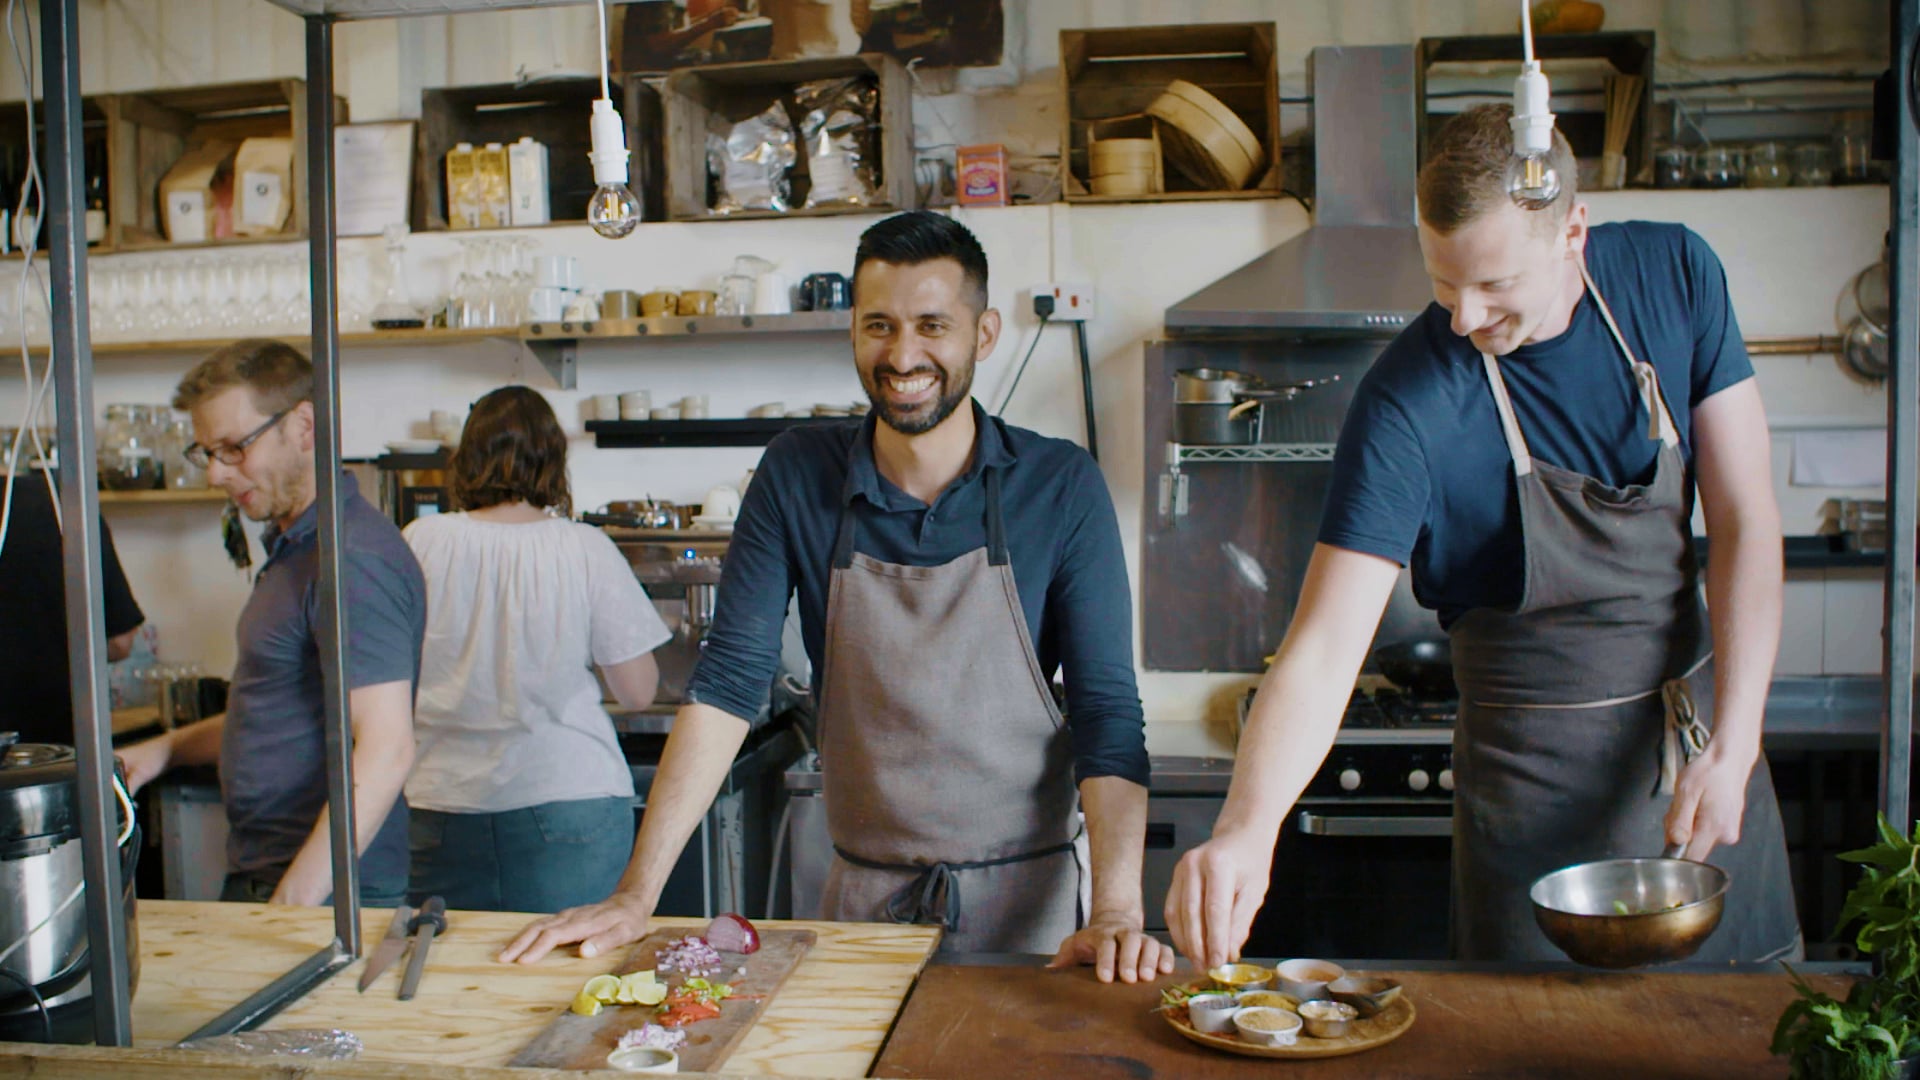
{"x":996,"y":521}
{"x":843,"y":534}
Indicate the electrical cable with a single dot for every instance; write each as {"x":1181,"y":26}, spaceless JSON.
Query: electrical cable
{"x":29,"y":276}
{"x":1038,"y":331}
{"x":600,"y":9}
{"x":40,"y":1003}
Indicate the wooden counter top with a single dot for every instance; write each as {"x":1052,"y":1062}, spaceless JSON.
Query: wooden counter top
{"x":198,"y":959}
{"x":1018,"y":1021}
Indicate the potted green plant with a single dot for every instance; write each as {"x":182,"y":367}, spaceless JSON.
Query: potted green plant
{"x":1874,"y":1034}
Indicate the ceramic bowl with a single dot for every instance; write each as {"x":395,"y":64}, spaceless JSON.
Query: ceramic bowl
{"x":1367,"y":994}
{"x":1327,"y":1019}
{"x":1308,"y":979}
{"x":1267,"y":1026}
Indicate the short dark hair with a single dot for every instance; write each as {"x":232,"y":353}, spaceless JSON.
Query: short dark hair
{"x":922,"y":236}
{"x":276,"y":374}
{"x":511,"y":449}
{"x":1465,"y":174}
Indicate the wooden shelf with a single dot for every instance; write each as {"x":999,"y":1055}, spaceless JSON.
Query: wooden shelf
{"x":163,"y":495}
{"x":370,"y":339}
{"x":557,"y":344}
{"x":630,"y":434}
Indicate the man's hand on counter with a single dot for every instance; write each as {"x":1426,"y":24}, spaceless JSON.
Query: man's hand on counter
{"x":145,"y":761}
{"x":1116,"y":945}
{"x":618,"y":920}
{"x":1217,"y":889}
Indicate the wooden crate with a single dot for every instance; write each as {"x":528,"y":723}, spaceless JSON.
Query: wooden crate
{"x":556,"y":112}
{"x":1629,"y":52}
{"x":1120,"y":71}
{"x":149,"y":131}
{"x":97,"y":151}
{"x":708,"y":98}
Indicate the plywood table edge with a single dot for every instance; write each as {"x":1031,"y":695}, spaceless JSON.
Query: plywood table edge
{"x":126,"y":1063}
{"x":906,"y":1000}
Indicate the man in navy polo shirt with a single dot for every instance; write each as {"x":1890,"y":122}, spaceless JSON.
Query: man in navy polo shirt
{"x":252,"y":406}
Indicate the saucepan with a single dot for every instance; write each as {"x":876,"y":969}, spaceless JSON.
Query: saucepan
{"x":1218,"y":407}
{"x":1421,"y":668}
{"x":1627,"y":913}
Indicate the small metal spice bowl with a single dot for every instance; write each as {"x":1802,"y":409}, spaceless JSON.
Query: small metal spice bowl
{"x":1369,"y":995}
{"x":1327,"y":1019}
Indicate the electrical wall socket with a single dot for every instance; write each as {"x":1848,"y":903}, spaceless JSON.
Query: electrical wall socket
{"x":1072,"y":300}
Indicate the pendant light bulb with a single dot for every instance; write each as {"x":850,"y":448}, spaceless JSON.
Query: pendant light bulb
{"x":613,"y":211}
{"x":1532,"y":182}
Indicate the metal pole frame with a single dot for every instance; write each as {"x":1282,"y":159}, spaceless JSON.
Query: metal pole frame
{"x":1903,"y":425}
{"x":72,"y":353}
{"x":332,"y":628}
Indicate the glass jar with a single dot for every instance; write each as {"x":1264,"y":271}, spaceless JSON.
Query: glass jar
{"x":1713,"y":167}
{"x":1672,"y":167}
{"x":1812,"y":165}
{"x":126,"y":456}
{"x":1767,"y":166}
{"x":176,"y":471}
{"x":1853,"y":149}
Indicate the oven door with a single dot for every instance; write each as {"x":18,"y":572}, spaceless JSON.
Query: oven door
{"x":1359,"y":880}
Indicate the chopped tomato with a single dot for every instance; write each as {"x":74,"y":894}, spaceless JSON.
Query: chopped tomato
{"x":689,"y":1012}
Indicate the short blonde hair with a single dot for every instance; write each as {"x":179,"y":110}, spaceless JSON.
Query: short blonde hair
{"x":276,"y":374}
{"x":1465,"y":174}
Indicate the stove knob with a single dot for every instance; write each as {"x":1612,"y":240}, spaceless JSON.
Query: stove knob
{"x":1349,"y":779}
{"x":1446,"y":779}
{"x":1418,"y":780}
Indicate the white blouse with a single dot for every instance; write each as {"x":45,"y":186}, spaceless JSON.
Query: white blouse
{"x":508,"y":713}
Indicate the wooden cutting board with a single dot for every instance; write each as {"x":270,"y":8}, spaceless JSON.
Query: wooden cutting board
{"x":1028,"y":1022}
{"x":572,"y":1041}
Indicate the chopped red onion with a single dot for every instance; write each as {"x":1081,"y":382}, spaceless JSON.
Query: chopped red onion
{"x":690,"y":955}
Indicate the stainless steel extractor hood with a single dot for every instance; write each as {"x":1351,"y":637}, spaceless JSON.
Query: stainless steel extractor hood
{"x":1358,"y":268}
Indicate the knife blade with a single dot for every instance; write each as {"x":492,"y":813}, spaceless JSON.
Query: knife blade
{"x":390,"y":947}
{"x":431,"y":919}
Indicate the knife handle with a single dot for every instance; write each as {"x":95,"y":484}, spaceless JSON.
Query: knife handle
{"x":433,"y":911}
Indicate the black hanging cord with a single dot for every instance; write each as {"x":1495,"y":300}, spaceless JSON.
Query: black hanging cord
{"x":46,"y":1018}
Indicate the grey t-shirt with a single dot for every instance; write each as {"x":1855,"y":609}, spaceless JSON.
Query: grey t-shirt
{"x":273,"y":772}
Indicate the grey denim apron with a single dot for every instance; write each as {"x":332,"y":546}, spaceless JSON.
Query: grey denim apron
{"x":946,"y":766}
{"x":1579,"y":707}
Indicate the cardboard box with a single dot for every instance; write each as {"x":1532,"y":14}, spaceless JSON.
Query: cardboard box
{"x":262,"y":186}
{"x":527,"y":182}
{"x":187,"y":192}
{"x":463,"y":189}
{"x":496,"y":186}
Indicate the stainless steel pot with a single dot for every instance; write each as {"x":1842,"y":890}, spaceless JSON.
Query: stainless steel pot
{"x":1218,"y":407}
{"x":43,"y":910}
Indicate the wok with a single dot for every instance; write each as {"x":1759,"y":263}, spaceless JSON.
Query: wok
{"x":1673,"y":906}
{"x":1421,"y":668}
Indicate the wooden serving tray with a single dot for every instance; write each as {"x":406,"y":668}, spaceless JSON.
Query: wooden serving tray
{"x":573,"y":1041}
{"x":1365,"y":1034}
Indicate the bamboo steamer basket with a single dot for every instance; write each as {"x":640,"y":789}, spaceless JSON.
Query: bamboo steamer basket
{"x":1128,"y":165}
{"x":1204,"y":139}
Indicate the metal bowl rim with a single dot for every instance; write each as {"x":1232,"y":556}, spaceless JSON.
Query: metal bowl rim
{"x":1719,"y":892}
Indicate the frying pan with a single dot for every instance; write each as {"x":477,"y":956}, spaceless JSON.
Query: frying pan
{"x":1421,"y":668}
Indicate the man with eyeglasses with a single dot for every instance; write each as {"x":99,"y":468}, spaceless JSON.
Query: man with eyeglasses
{"x":252,"y":408}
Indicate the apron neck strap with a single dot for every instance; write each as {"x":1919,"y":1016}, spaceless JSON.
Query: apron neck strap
{"x":996,"y":527}
{"x":1509,"y":425}
{"x":1660,"y":420}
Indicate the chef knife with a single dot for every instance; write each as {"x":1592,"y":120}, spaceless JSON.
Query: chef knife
{"x":430,"y":920}
{"x":390,"y":947}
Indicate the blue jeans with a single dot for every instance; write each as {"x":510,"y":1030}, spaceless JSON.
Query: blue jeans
{"x":256,"y":887}
{"x":539,"y":859}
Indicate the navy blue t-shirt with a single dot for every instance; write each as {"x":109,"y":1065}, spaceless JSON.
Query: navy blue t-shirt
{"x":1063,"y":543}
{"x":273,"y":770}
{"x":1422,"y":474}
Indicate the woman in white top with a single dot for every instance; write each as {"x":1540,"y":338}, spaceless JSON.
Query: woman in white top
{"x":521,"y":798}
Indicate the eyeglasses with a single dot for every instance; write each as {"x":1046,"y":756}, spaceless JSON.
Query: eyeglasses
{"x":231,"y":453}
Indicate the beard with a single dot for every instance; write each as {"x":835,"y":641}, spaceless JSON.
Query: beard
{"x":954,"y":389}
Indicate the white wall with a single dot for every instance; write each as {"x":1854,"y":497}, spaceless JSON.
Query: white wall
{"x":1787,"y":252}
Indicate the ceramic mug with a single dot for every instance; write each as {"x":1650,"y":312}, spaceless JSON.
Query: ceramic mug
{"x":697,"y":302}
{"x":722,"y":502}
{"x":636,"y":405}
{"x":619,"y":304}
{"x":659,"y":302}
{"x":606,"y":407}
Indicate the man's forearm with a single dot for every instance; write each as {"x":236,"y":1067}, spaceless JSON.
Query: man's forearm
{"x":694,"y":762}
{"x":380,"y":768}
{"x":1743,"y":604}
{"x":197,"y":743}
{"x":1116,"y":811}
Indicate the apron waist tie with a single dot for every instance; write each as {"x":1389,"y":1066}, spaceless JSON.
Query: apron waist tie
{"x":934,"y":893}
{"x":1686,"y":737}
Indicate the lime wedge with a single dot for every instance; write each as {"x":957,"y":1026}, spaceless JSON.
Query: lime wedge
{"x":585,"y":1004}
{"x":652,"y":993}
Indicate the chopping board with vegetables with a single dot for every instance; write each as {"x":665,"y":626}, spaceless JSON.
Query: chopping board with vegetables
{"x":695,"y":994}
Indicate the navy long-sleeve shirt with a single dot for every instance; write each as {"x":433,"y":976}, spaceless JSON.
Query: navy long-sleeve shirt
{"x":1062,"y":538}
